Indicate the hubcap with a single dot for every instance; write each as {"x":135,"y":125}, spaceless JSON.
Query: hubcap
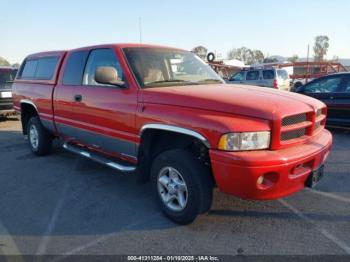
{"x":172,"y":189}
{"x":33,"y":137}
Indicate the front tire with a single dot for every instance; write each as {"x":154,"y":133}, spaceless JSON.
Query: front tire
{"x":182,"y":185}
{"x":40,"y":141}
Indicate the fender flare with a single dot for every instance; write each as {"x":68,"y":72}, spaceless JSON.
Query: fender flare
{"x":29,"y":102}
{"x":176,"y":129}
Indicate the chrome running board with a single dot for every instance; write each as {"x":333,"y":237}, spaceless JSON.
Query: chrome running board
{"x":97,"y":158}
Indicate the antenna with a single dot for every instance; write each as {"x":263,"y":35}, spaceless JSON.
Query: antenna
{"x":140,"y":29}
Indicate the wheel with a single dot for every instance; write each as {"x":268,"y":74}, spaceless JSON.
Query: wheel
{"x":297,"y":85}
{"x":40,"y":141}
{"x":182,"y":185}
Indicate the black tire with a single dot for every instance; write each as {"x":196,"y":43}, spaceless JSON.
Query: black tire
{"x":297,"y":85}
{"x":211,"y":57}
{"x":197,"y":178}
{"x":44,"y":138}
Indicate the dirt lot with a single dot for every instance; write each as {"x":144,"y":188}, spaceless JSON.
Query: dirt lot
{"x":64,"y":204}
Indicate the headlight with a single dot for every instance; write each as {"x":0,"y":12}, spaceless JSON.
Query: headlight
{"x":245,"y":141}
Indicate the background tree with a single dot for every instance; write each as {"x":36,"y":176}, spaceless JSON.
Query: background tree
{"x":258,"y":56}
{"x":321,"y":47}
{"x":200,"y":51}
{"x":335,"y":59}
{"x":270,"y":60}
{"x":246,"y":55}
{"x":4,"y":62}
{"x":293,"y":58}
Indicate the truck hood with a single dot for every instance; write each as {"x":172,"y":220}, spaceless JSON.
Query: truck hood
{"x":251,"y":101}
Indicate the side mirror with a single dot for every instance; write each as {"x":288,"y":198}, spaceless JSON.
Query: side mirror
{"x":108,"y":75}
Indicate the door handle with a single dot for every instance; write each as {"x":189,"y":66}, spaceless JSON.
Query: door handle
{"x":78,"y":98}
{"x":331,"y":97}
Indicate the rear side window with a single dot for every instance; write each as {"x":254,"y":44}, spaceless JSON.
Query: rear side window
{"x":46,"y":68}
{"x":238,"y":77}
{"x":39,"y":69}
{"x":268,"y":74}
{"x":253,"y":75}
{"x":74,"y":69}
{"x":29,"y":69}
{"x":282,"y":74}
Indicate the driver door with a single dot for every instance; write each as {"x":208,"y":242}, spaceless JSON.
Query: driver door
{"x":104,"y":115}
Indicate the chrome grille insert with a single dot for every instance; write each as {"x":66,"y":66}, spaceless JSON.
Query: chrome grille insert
{"x":293,"y":134}
{"x":318,"y":112}
{"x":292,"y":120}
{"x":317,"y":125}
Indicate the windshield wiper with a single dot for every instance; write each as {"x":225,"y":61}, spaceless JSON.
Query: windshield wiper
{"x":210,"y":80}
{"x":170,"y":81}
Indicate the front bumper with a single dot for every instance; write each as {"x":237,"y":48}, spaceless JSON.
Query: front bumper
{"x":285,"y":171}
{"x":6,"y":105}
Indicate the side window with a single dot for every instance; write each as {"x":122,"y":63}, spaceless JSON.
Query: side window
{"x":347,"y":85}
{"x":324,"y":85}
{"x":97,"y":58}
{"x":252,"y":75}
{"x":74,"y":69}
{"x":39,"y":69}
{"x":29,"y":69}
{"x":46,"y":68}
{"x":238,"y":77}
{"x":282,"y":74}
{"x":268,"y":74}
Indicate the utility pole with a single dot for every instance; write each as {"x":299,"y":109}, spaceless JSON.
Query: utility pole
{"x":140,"y":29}
{"x":307,"y":64}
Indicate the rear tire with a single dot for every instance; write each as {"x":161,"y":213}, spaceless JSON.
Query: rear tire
{"x":40,"y":141}
{"x":182,"y":185}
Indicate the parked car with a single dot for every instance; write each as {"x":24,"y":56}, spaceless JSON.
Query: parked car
{"x":266,"y":77}
{"x":7,"y":75}
{"x":334,"y":91}
{"x":165,"y":115}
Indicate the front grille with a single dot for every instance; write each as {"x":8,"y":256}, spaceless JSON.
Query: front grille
{"x":5,"y":86}
{"x":300,"y":125}
{"x":317,"y":125}
{"x":318,"y":112}
{"x":292,"y":120}
{"x":293,"y":134}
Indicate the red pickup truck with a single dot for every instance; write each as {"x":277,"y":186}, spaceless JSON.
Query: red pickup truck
{"x":166,"y":116}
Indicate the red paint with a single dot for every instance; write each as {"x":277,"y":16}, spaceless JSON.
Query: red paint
{"x":210,"y":110}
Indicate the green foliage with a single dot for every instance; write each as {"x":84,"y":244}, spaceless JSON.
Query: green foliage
{"x":200,"y":51}
{"x":270,"y":60}
{"x":293,"y":58}
{"x":246,"y":55}
{"x":321,"y":47}
{"x":4,"y":62}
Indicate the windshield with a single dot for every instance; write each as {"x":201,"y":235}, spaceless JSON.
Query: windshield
{"x":156,"y":67}
{"x":7,"y":77}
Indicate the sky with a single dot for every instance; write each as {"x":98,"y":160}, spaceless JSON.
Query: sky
{"x":277,"y":27}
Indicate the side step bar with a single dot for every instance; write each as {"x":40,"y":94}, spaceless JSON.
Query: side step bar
{"x":97,"y":158}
